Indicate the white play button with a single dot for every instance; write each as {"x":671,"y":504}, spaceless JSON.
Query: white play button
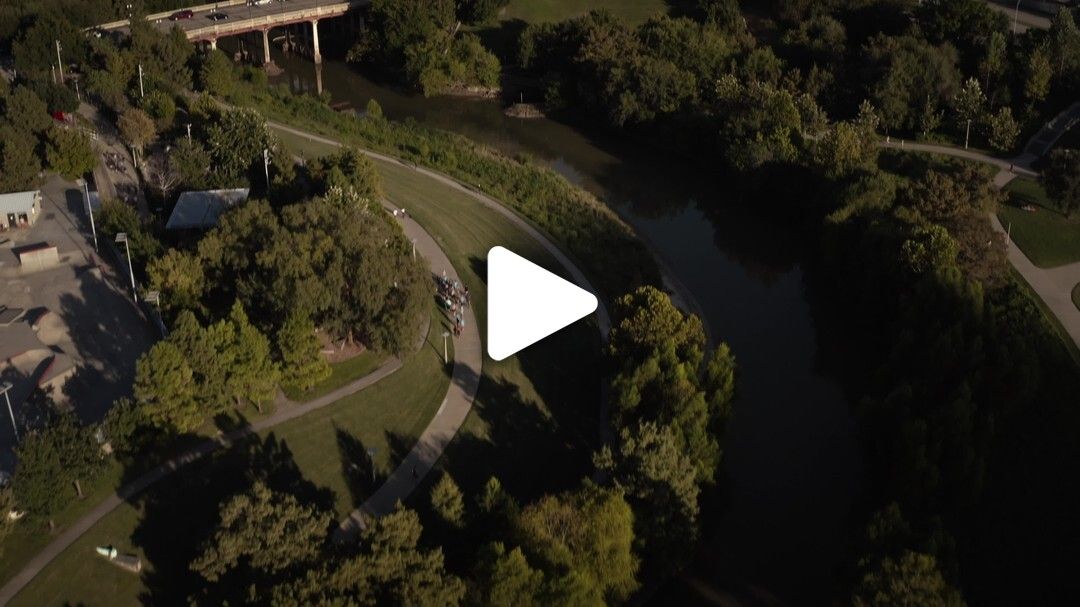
{"x":526,"y":303}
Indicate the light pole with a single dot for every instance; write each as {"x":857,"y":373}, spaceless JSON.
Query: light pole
{"x":59,"y":63}
{"x":90,"y":211}
{"x":4,"y":388}
{"x":1016,"y":16}
{"x":371,"y":458}
{"x":445,"y":356}
{"x":967,"y":134}
{"x":141,"y":92}
{"x":122,"y":237}
{"x":266,"y":166}
{"x":414,"y":248}
{"x":189,"y":131}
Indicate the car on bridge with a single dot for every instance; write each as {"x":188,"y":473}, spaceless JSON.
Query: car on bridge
{"x":217,"y":16}
{"x":180,"y":15}
{"x":259,"y":2}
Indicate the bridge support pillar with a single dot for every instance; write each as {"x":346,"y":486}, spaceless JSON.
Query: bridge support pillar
{"x":213,"y":44}
{"x":316,"y":56}
{"x":266,"y":46}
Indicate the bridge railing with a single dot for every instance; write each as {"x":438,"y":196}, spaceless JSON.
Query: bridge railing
{"x":165,"y":15}
{"x":266,"y":21}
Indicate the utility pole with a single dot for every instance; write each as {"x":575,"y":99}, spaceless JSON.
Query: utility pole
{"x":122,"y":237}
{"x":445,"y":356}
{"x":1016,"y":16}
{"x":967,"y":135}
{"x":59,"y":63}
{"x":189,"y":131}
{"x":77,"y":95}
{"x":141,"y":92}
{"x":90,"y":211}
{"x":266,"y":167}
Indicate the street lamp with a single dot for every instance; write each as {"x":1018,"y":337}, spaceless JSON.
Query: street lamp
{"x":90,"y":211}
{"x":4,"y":387}
{"x":1016,"y":16}
{"x":414,"y":248}
{"x":371,"y":458}
{"x":122,"y":237}
{"x":445,"y":356}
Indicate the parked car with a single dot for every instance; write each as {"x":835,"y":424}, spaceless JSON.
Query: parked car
{"x":217,"y":16}
{"x":259,"y":2}
{"x":180,"y":15}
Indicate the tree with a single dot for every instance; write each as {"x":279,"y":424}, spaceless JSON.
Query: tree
{"x":161,"y":174}
{"x":505,"y":579}
{"x":1038,"y":74}
{"x":179,"y":277}
{"x":136,"y":128}
{"x":969,"y":101}
{"x":843,"y":149}
{"x":588,"y":533}
{"x":69,"y":153}
{"x":160,"y":107}
{"x":264,"y":532}
{"x":216,"y":74}
{"x":928,"y":249}
{"x":480,"y":11}
{"x":1002,"y":130}
{"x":192,"y":162}
{"x":252,"y":376}
{"x":908,"y":78}
{"x":236,"y":141}
{"x":1062,"y":179}
{"x":348,"y":169}
{"x":660,"y":482}
{"x":911,"y":580}
{"x":26,"y":111}
{"x":115,"y":217}
{"x":302,"y":362}
{"x":19,"y":165}
{"x":447,"y":501}
{"x":390,"y":569}
{"x":52,"y":461}
{"x":165,"y":391}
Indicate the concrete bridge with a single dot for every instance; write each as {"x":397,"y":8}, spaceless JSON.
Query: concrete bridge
{"x":243,"y":18}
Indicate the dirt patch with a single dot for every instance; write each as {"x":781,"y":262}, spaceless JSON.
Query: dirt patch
{"x":338,"y":350}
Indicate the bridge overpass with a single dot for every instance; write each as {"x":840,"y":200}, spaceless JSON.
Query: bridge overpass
{"x":242,"y":18}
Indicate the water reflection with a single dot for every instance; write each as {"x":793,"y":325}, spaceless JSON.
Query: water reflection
{"x":791,"y":465}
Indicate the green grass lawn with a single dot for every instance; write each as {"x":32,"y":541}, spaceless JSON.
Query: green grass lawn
{"x":539,"y":11}
{"x":1046,"y":236}
{"x":340,"y":374}
{"x":533,"y":424}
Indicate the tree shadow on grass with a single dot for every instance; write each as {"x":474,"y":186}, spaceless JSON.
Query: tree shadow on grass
{"x":358,"y":467}
{"x":180,"y":514}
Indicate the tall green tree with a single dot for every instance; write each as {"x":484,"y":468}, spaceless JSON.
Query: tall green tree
{"x":302,"y":362}
{"x":1062,"y":179}
{"x":216,"y":74}
{"x":179,"y":277}
{"x":54,"y":461}
{"x":69,"y":153}
{"x":263,"y":532}
{"x":588,"y":533}
{"x":911,"y":580}
{"x":390,"y":569}
{"x":165,"y":391}
{"x":447,"y":501}
{"x":253,"y":375}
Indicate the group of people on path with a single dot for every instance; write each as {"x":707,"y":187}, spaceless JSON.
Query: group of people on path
{"x":454,"y":298}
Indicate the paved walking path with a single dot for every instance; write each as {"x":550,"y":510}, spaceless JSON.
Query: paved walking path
{"x":1053,"y":285}
{"x":464,"y":381}
{"x":130,"y":490}
{"x":468,"y":351}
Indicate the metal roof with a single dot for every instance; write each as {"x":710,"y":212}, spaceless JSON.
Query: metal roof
{"x":17,"y":202}
{"x":202,"y":209}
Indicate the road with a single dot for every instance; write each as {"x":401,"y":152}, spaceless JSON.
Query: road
{"x":244,"y":16}
{"x":1020,"y":17}
{"x":1053,"y":285}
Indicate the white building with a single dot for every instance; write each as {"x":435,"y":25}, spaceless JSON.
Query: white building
{"x":19,"y":209}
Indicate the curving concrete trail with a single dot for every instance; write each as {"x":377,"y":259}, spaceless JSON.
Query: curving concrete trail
{"x":137,"y":486}
{"x":1053,"y":285}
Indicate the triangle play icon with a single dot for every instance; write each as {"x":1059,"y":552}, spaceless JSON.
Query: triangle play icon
{"x":526,"y":303}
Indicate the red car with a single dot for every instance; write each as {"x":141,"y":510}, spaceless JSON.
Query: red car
{"x":184,"y":14}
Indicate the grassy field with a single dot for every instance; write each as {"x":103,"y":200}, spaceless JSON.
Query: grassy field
{"x":340,"y":374}
{"x":1046,"y":236}
{"x":539,"y":11}
{"x":533,"y":425}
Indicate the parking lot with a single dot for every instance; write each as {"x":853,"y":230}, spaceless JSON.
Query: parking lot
{"x":79,"y":333}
